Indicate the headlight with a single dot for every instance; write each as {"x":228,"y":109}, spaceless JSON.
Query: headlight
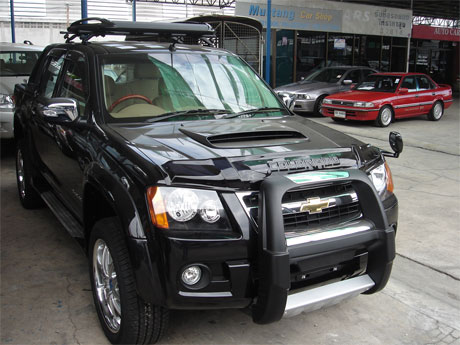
{"x":381,"y":178}
{"x":327,"y":101}
{"x":303,"y":96}
{"x":6,"y":101}
{"x":186,"y":209}
{"x":363,"y":104}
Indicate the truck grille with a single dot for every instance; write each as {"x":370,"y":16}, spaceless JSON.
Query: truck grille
{"x":334,"y":204}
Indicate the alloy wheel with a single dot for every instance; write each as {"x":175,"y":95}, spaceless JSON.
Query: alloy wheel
{"x":106,"y":284}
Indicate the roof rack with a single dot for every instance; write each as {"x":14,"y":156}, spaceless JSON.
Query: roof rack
{"x":87,"y":28}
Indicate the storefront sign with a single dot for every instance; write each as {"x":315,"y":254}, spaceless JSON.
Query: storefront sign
{"x":294,"y":18}
{"x":330,"y":16}
{"x":435,"y":33}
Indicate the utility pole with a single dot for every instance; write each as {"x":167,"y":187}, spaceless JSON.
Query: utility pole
{"x":84,"y":9}
{"x":134,"y":10}
{"x":67,"y":11}
{"x":13,"y":34}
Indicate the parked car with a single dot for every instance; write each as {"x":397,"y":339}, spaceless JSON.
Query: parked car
{"x":307,"y":95}
{"x":191,"y":185}
{"x":384,"y":97}
{"x":16,"y":63}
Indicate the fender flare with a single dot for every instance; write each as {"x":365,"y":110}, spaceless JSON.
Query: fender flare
{"x":144,"y":255}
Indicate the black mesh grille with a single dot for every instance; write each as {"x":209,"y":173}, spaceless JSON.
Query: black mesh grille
{"x":301,"y":221}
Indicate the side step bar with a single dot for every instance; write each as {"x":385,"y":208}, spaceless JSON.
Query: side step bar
{"x":327,"y":295}
{"x":65,"y":217}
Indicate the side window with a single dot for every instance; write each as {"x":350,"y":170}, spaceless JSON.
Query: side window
{"x":75,"y":83}
{"x":424,"y":83}
{"x":409,"y":83}
{"x":366,"y":72}
{"x":51,"y":75}
{"x":354,"y":76}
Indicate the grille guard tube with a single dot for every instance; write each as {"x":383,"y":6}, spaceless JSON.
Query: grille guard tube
{"x":273,"y":267}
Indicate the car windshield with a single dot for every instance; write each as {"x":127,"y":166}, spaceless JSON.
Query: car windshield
{"x":178,"y":86}
{"x":328,"y":75}
{"x":17,"y":63}
{"x":379,"y":83}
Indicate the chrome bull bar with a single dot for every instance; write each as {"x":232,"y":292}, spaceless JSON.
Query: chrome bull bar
{"x":327,"y":295}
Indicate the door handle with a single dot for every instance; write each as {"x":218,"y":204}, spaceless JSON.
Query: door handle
{"x":416,"y":96}
{"x":433,"y":94}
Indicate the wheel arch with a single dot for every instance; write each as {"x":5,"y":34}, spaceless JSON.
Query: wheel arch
{"x":105,"y":196}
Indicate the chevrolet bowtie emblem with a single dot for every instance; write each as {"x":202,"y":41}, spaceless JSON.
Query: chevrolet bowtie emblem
{"x":314,"y":205}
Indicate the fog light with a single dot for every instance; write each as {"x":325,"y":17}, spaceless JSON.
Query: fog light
{"x":191,"y":275}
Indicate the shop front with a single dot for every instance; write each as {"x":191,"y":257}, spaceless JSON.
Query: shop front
{"x":435,"y":51}
{"x":314,"y":34}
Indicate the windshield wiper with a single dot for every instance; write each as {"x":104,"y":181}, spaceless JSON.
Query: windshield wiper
{"x":253,"y":112}
{"x":188,"y":112}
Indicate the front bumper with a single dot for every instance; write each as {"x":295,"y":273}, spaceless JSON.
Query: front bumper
{"x":6,"y":123}
{"x":307,"y":105}
{"x":359,"y":114}
{"x":261,"y":269}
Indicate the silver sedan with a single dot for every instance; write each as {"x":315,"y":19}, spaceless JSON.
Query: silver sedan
{"x":307,"y":95}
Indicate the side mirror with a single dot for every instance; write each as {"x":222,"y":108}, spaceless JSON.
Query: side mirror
{"x":396,"y":143}
{"x":60,"y":110}
{"x":403,"y":91}
{"x":347,"y":82}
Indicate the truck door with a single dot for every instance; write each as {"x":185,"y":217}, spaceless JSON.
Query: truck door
{"x":65,"y":154}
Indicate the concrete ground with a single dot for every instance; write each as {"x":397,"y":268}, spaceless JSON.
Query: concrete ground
{"x":46,"y":297}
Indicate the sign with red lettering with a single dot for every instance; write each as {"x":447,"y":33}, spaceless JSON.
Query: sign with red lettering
{"x":427,"y":32}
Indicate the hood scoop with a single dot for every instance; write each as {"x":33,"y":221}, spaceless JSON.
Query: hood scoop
{"x":248,"y":139}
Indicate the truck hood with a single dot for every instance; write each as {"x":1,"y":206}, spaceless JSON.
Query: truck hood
{"x":240,"y":149}
{"x":7,"y":83}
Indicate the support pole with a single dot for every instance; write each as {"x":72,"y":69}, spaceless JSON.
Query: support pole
{"x":268,"y":42}
{"x":13,"y":34}
{"x":134,"y":10}
{"x":408,"y":39}
{"x":84,"y":9}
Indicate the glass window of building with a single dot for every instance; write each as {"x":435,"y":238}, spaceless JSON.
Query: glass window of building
{"x":311,"y":53}
{"x":284,"y":56}
{"x":369,"y":52}
{"x":340,"y":50}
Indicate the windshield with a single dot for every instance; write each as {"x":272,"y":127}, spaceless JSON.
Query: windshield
{"x":184,"y":85}
{"x":17,"y":63}
{"x":379,"y":83}
{"x":328,"y":75}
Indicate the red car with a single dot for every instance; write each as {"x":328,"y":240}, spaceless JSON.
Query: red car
{"x":383,"y":97}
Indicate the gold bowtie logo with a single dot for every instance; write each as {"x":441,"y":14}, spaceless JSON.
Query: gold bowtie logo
{"x":314,"y":205}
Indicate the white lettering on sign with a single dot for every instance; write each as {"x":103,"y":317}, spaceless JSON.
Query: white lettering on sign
{"x":447,"y":31}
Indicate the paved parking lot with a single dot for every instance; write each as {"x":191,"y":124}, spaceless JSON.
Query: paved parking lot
{"x":45,"y":289}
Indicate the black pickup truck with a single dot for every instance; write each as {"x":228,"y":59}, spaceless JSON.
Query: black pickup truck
{"x":191,"y":185}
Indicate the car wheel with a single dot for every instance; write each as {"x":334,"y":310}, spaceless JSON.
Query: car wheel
{"x":436,"y":111}
{"x":124,"y":316}
{"x":384,"y":117}
{"x":319,"y":104}
{"x":28,"y":196}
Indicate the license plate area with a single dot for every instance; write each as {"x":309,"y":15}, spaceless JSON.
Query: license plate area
{"x":339,"y":113}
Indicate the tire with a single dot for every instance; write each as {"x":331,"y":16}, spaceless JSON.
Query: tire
{"x":436,"y":111}
{"x":28,"y":195}
{"x":123,"y":315}
{"x":318,"y":104}
{"x":384,"y":117}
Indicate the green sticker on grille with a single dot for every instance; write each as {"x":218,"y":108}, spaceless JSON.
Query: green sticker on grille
{"x":317,"y":176}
